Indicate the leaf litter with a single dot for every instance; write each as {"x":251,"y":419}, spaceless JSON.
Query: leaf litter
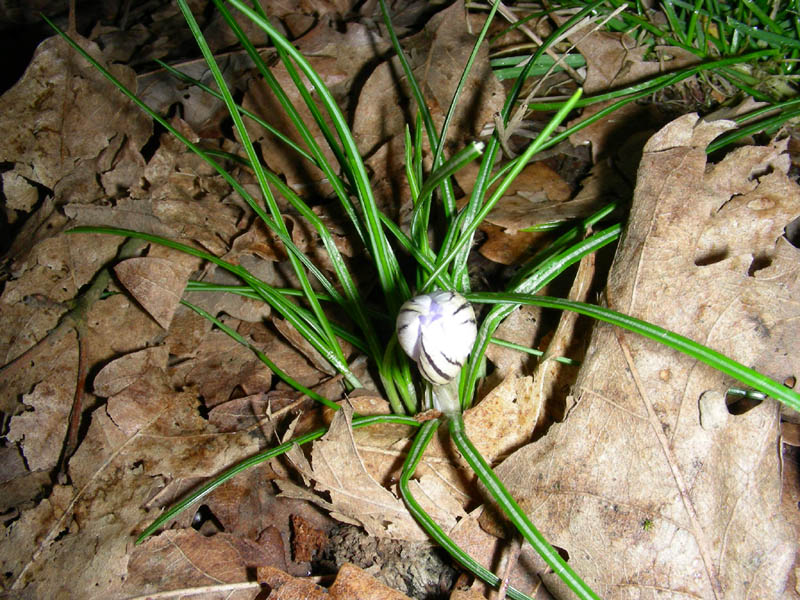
{"x":173,"y":402}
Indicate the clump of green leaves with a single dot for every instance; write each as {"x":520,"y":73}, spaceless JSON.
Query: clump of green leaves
{"x":743,"y":49}
{"x":434,"y":266}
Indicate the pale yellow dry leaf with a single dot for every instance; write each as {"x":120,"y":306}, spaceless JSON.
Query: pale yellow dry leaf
{"x":640,"y":495}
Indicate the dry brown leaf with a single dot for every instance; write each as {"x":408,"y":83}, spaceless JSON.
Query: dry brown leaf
{"x":640,"y":495}
{"x":354,"y":466}
{"x":437,"y":56}
{"x":494,"y":553}
{"x":156,"y":283}
{"x":79,"y":537}
{"x":127,"y":369}
{"x":117,"y":326}
{"x":521,"y":327}
{"x":50,"y":274}
{"x":553,"y":379}
{"x":351,"y":583}
{"x":81,"y":124}
{"x":184,"y":558}
{"x":285,"y":587}
{"x":615,"y":60}
{"x":355,"y":494}
{"x":41,"y":429}
{"x":220,"y":366}
{"x":609,"y":135}
{"x":505,"y":418}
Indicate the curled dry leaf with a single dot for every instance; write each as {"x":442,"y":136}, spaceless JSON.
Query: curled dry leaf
{"x":640,"y":495}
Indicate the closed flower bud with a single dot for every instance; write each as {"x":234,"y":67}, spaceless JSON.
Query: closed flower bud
{"x":437,"y":331}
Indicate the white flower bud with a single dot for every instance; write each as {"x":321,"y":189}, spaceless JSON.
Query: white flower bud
{"x":437,"y":331}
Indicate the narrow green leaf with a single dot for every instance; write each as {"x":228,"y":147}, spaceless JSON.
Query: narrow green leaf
{"x":513,"y":511}
{"x":670,"y":339}
{"x":421,"y":441}
{"x":257,"y":459}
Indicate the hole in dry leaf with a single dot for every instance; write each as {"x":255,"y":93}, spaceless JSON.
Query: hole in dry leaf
{"x":61,"y":534}
{"x":739,"y":405}
{"x":206,"y":521}
{"x":202,"y":409}
{"x":759,"y":262}
{"x":790,"y":381}
{"x":153,"y":142}
{"x":562,"y":553}
{"x":792,"y":232}
{"x":710,"y":257}
{"x":226,"y":127}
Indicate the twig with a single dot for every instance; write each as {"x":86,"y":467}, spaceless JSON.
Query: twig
{"x":207,"y":589}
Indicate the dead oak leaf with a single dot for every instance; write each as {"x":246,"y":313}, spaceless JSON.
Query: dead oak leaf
{"x":640,"y":495}
{"x":63,"y":122}
{"x":339,"y":470}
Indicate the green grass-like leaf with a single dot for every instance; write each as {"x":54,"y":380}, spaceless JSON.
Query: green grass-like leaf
{"x":663,"y":336}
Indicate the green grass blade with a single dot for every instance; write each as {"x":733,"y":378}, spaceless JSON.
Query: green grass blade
{"x":249,"y":114}
{"x":773,"y":39}
{"x":531,"y":351}
{"x":508,"y":67}
{"x":454,"y":234}
{"x":532,"y":279}
{"x":331,"y":342}
{"x":448,"y":197}
{"x":257,"y":459}
{"x":519,"y":164}
{"x":261,"y":356}
{"x":267,"y":293}
{"x":454,"y":102}
{"x":768,"y":124}
{"x":300,"y":126}
{"x":419,"y":220}
{"x":513,"y":511}
{"x":248,"y":292}
{"x":421,"y":441}
{"x":670,"y":339}
{"x":164,"y":123}
{"x":393,"y":285}
{"x":207,"y":158}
